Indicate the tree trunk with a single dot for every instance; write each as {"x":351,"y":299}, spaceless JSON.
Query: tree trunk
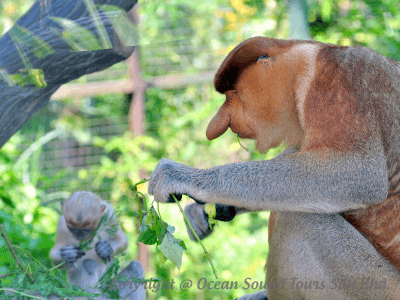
{"x":17,"y":103}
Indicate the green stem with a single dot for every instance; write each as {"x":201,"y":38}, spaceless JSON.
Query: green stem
{"x":22,"y":294}
{"x":144,"y":201}
{"x":137,"y":193}
{"x":56,"y":266}
{"x":197,"y":237}
{"x":140,"y":182}
{"x":238,"y":140}
{"x":140,"y":208}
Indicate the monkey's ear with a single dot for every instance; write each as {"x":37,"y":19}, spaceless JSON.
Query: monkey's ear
{"x":245,"y":54}
{"x":103,"y":208}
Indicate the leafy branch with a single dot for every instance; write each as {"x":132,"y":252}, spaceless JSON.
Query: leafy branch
{"x":155,"y":231}
{"x":197,"y":237}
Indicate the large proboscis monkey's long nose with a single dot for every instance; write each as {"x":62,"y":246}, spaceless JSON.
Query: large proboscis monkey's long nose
{"x":220,"y":123}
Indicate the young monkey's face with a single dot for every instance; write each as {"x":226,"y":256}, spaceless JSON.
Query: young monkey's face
{"x":80,"y":230}
{"x":82,"y":212}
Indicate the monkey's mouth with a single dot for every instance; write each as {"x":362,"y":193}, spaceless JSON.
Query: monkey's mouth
{"x":85,"y":237}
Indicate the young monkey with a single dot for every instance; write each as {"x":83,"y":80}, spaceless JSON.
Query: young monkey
{"x":82,"y":213}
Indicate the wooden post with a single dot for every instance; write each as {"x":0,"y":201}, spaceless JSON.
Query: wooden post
{"x":136,"y":114}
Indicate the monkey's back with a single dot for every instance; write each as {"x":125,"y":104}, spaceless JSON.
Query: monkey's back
{"x":376,"y":80}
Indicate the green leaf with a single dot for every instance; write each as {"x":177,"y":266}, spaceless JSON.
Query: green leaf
{"x":30,"y":77}
{"x":77,"y":37}
{"x":124,"y":28}
{"x":161,"y":234}
{"x":25,"y":37}
{"x":326,"y":10}
{"x":182,"y":244}
{"x":172,"y":249}
{"x":105,"y":40}
{"x":147,"y":235}
{"x":4,"y":76}
{"x":211,"y":212}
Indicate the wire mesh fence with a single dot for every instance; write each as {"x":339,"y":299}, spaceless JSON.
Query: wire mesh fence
{"x":177,"y":58}
{"x":71,"y":155}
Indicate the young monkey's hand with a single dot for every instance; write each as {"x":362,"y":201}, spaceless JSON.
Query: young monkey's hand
{"x":104,"y":250}
{"x":71,"y":254}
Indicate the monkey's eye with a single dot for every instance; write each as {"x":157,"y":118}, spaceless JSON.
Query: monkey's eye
{"x":262,"y":56}
{"x":87,"y":230}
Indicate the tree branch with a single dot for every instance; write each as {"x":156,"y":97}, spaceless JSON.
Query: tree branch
{"x":18,"y":104}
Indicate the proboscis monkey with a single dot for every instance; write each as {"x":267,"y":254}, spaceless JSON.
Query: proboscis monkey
{"x":82,"y":213}
{"x":334,"y":193}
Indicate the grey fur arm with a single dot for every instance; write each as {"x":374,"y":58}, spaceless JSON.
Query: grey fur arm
{"x":322,"y":182}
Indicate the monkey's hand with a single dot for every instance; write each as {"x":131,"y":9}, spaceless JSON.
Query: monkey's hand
{"x":71,"y":254}
{"x":171,"y":178}
{"x":198,"y":218}
{"x":104,"y":250}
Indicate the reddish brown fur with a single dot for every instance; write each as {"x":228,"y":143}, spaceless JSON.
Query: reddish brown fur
{"x":335,"y":116}
{"x":271,"y":223}
{"x":350,"y":104}
{"x":380,"y":224}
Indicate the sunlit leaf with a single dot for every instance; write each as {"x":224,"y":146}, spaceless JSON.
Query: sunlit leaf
{"x":124,"y":28}
{"x":77,"y":37}
{"x":25,"y":37}
{"x":105,"y":40}
{"x":30,"y":77}
{"x":172,"y":249}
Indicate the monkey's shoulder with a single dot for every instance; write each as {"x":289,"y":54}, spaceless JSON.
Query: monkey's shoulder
{"x":110,"y":224}
{"x":108,"y":206}
{"x":109,"y":212}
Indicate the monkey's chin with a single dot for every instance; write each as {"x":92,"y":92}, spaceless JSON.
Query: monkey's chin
{"x":84,"y":238}
{"x":261,"y":147}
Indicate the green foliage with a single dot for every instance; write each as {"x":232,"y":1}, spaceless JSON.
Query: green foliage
{"x":176,"y":120}
{"x":131,"y":156}
{"x":28,"y":224}
{"x":125,"y":29}
{"x":211,"y":212}
{"x":24,"y":37}
{"x":77,"y":37}
{"x":29,"y":77}
{"x":48,"y":281}
{"x":10,"y":11}
{"x":154,"y":231}
{"x":374,"y":24}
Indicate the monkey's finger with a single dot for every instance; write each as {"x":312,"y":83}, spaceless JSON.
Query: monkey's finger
{"x":104,"y":249}
{"x":197,"y":201}
{"x":70,"y":247}
{"x":199,"y":221}
{"x":224,"y":212}
{"x":172,"y":200}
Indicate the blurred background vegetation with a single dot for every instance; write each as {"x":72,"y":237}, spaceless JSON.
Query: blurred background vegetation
{"x":84,"y":143}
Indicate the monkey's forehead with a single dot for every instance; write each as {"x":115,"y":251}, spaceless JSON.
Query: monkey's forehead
{"x":83,"y":199}
{"x":245,"y":54}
